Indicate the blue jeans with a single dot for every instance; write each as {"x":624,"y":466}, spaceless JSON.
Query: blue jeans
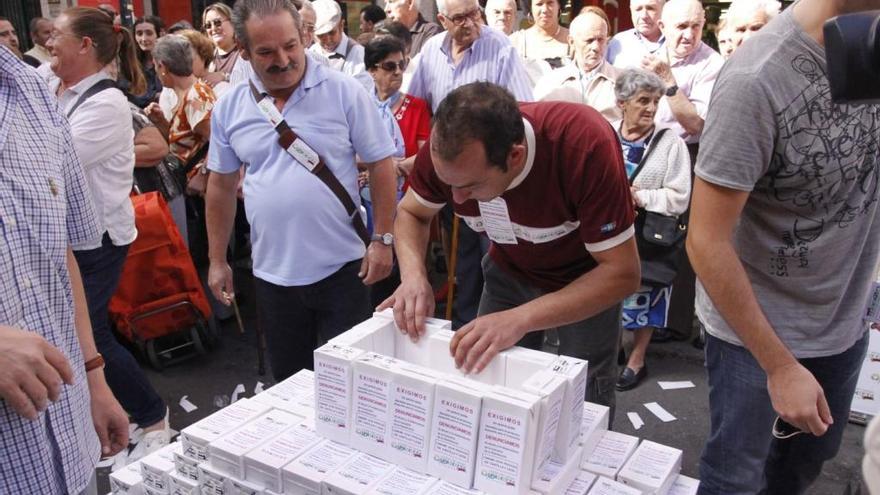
{"x":101,"y":269}
{"x":741,"y":455}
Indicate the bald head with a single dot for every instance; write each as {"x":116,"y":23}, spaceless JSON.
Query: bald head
{"x":682,"y":25}
{"x":588,"y":37}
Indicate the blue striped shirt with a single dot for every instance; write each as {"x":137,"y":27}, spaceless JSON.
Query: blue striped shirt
{"x":490,"y":58}
{"x":45,"y":207}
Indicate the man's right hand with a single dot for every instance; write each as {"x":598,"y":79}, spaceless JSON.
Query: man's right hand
{"x":220,"y":282}
{"x":799,"y":399}
{"x":32,"y":371}
{"x":413,"y":301}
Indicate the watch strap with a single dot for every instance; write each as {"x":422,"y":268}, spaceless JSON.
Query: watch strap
{"x":95,"y":363}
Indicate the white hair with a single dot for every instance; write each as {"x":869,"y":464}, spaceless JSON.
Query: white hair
{"x":740,"y":9}
{"x":442,"y":5}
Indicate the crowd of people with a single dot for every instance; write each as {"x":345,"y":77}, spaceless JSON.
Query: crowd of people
{"x":590,"y":183}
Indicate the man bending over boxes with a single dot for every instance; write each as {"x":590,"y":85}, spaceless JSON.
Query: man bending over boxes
{"x":545,"y":182}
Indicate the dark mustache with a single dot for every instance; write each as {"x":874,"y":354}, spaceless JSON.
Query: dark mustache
{"x":277,"y":69}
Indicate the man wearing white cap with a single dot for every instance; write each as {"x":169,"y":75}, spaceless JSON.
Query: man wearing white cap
{"x":344,"y":53}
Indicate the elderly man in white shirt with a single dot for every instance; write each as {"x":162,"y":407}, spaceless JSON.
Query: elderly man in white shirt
{"x":627,"y":48}
{"x":344,"y":53}
{"x":501,"y":15}
{"x":747,"y":17}
{"x":590,"y":79}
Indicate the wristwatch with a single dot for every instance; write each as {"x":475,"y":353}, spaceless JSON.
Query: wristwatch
{"x":671,"y":90}
{"x":386,"y":239}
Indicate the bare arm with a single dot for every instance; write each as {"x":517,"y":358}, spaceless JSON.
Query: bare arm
{"x":795,"y":393}
{"x":149,"y":147}
{"x":220,"y":199}
{"x":684,"y":111}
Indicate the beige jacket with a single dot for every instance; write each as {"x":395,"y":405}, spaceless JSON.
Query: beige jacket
{"x":569,"y":83}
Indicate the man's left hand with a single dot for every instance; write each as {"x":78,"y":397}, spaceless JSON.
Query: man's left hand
{"x":111,"y":422}
{"x":477,"y":343}
{"x":377,"y":263}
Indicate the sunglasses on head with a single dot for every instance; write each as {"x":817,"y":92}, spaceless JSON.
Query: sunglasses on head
{"x":390,"y":66}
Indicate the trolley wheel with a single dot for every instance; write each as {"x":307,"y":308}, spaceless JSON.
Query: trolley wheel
{"x":196,"y":337}
{"x":153,"y":356}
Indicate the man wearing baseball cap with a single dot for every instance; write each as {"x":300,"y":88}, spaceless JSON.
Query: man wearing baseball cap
{"x":344,"y":53}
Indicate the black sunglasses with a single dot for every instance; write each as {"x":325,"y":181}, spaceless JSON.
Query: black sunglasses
{"x":390,"y":66}
{"x":216,"y":23}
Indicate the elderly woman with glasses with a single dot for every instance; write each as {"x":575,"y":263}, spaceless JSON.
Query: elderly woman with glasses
{"x":659,"y":170}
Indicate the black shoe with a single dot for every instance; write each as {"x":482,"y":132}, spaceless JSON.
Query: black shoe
{"x":630,"y":379}
{"x":661,"y":335}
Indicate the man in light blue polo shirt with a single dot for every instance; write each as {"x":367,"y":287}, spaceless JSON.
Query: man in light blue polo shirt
{"x":310,"y":279}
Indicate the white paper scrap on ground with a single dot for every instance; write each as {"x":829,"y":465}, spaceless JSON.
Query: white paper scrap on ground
{"x":239,"y":389}
{"x":187,"y":405}
{"x":676,"y":385}
{"x":635,"y":419}
{"x":258,"y":388}
{"x":658,"y":411}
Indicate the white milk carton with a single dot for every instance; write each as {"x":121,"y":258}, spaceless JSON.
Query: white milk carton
{"x":551,"y":388}
{"x":296,"y":394}
{"x":227,"y":453}
{"x":370,"y":418}
{"x":182,"y":485}
{"x":652,"y":468}
{"x":522,"y":363}
{"x":594,"y":424}
{"x":127,"y":480}
{"x":212,"y":481}
{"x":575,"y":372}
{"x":263,"y":464}
{"x":581,"y":483}
{"x":195,"y":438}
{"x":455,"y":428}
{"x":556,"y":477}
{"x":156,"y":468}
{"x":402,"y":481}
{"x":356,"y":476}
{"x":684,"y":485}
{"x":306,"y":473}
{"x":333,"y":390}
{"x":508,"y":437}
{"x":411,"y":408}
{"x":447,"y":488}
{"x":376,"y":334}
{"x":439,"y":359}
{"x":610,"y":454}
{"x":605,"y":486}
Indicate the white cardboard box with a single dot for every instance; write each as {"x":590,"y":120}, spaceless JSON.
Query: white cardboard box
{"x":402,"y":481}
{"x":182,"y":485}
{"x":195,"y":438}
{"x":263,"y":464}
{"x":212,"y":481}
{"x":652,"y":468}
{"x":417,"y":352}
{"x":370,"y":419}
{"x":610,"y":454}
{"x":241,"y":487}
{"x":455,"y":430}
{"x":522,"y":363}
{"x":333,"y":390}
{"x":157,"y":467}
{"x":866,"y":400}
{"x":684,"y":485}
{"x":550,"y":387}
{"x":296,"y":394}
{"x":556,"y":477}
{"x":186,"y":466}
{"x":605,"y":486}
{"x":436,"y":322}
{"x":227,"y":453}
{"x":594,"y":424}
{"x":356,"y":476}
{"x":411,"y":408}
{"x":581,"y":483}
{"x":447,"y":488}
{"x":306,"y":472}
{"x":506,"y":447}
{"x":376,"y":334}
{"x":575,"y":372}
{"x":127,"y":480}
{"x":439,"y":359}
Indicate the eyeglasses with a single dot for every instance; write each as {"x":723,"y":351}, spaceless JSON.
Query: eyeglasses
{"x":308,"y":26}
{"x":459,"y":19}
{"x":389,"y":66}
{"x":216,"y":24}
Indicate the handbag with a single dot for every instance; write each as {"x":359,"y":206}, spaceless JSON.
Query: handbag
{"x":660,"y":238}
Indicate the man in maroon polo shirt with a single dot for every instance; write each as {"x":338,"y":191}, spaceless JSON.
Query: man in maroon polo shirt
{"x":546,"y":183}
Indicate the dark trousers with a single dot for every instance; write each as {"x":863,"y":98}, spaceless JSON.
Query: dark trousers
{"x":681,"y":306}
{"x":741,"y":455}
{"x":468,"y":274}
{"x":101,"y":269}
{"x":298,"y":319}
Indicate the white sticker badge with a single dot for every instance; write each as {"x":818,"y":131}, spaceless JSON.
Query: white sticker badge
{"x":496,"y":221}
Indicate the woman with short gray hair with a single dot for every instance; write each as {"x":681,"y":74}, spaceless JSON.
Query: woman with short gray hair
{"x":189,"y":128}
{"x":659,"y":171}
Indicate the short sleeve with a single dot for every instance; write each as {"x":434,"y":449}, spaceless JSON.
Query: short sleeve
{"x":81,"y":219}
{"x":701,"y":91}
{"x":430,"y":191}
{"x":199,"y":105}
{"x":368,"y":136}
{"x":737,"y":142}
{"x":221,"y":156}
{"x":513,"y":76}
{"x":423,"y":129}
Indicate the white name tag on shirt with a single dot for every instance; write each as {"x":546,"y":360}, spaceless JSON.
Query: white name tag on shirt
{"x":496,"y":221}
{"x":267,"y":107}
{"x":304,"y":154}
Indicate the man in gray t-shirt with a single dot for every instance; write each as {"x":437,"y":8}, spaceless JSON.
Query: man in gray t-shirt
{"x":783,"y":237}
